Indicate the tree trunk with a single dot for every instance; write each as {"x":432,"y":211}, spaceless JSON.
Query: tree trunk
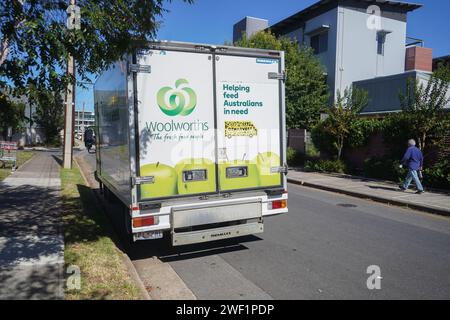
{"x":340,"y":147}
{"x":422,"y":142}
{"x":5,"y":50}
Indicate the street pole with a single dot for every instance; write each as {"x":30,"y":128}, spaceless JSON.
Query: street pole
{"x":73,"y":22}
{"x":31,"y":122}
{"x":69,"y":118}
{"x":82,"y":124}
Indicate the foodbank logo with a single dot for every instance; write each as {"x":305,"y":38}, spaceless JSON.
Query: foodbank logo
{"x":180,"y":100}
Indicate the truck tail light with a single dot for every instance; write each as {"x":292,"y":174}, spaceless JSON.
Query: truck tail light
{"x":145,"y":221}
{"x":279,"y":204}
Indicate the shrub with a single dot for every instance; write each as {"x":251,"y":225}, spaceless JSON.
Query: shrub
{"x":396,"y":132}
{"x":323,"y":140}
{"x":360,"y":130}
{"x":337,"y":166}
{"x":438,"y":176}
{"x":294,"y":158}
{"x":311,"y":151}
{"x":383,"y":168}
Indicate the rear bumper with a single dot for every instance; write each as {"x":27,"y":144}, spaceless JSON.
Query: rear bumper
{"x":183,"y":238}
{"x":217,"y":219}
{"x":243,"y":211}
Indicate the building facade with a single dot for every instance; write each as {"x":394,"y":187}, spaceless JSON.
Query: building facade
{"x":83,"y":121}
{"x":362,"y":43}
{"x":248,"y":26}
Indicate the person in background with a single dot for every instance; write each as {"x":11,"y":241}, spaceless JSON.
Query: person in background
{"x":89,"y":139}
{"x":414,"y":159}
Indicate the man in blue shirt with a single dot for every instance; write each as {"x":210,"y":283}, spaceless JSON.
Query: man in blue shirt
{"x":414,"y":159}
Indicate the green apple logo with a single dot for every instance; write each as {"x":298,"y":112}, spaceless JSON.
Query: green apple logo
{"x":250,"y":181}
{"x":165,"y":181}
{"x":265,"y":161}
{"x":195,"y":187}
{"x":179,"y":101}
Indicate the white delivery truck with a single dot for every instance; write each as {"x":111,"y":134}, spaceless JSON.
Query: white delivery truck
{"x":191,"y":139}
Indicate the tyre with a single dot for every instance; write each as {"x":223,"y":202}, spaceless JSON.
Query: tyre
{"x":126,"y":232}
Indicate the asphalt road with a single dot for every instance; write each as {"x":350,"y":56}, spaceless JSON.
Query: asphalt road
{"x":321,"y":249}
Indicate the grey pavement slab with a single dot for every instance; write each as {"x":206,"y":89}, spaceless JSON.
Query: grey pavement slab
{"x":31,"y":238}
{"x":376,"y":190}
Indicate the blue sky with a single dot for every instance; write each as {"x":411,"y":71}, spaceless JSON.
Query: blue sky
{"x":211,"y":21}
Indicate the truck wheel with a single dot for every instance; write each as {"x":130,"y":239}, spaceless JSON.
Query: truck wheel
{"x":110,"y":197}
{"x":106,"y":193}
{"x":126,"y":226}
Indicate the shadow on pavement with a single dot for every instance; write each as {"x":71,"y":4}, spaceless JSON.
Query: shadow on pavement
{"x":58,"y":159}
{"x":31,"y":243}
{"x":385,"y":188}
{"x":162,"y":248}
{"x":29,"y":221}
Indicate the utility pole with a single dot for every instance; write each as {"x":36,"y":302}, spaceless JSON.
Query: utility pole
{"x":31,"y":122}
{"x":73,"y":22}
{"x":82,"y":124}
{"x":69,"y":116}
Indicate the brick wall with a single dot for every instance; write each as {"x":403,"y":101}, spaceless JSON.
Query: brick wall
{"x":445,"y":153}
{"x":377,"y":148}
{"x":374,"y":148}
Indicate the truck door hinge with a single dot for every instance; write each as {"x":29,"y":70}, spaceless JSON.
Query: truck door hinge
{"x":277,"y":75}
{"x":140,"y":68}
{"x":142,"y":180}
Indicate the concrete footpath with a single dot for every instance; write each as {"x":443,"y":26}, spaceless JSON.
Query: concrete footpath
{"x":381,"y":191}
{"x":31,"y":238}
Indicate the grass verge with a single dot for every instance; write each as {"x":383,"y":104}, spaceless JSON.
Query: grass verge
{"x":22,"y":157}
{"x":88,"y":244}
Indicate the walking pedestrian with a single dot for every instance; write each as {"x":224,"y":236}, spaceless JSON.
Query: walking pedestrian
{"x":413,"y":158}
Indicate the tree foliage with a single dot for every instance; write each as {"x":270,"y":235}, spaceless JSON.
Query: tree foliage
{"x":35,"y":43}
{"x":49,"y":114}
{"x":343,"y":117}
{"x":423,"y":108}
{"x":306,"y":89}
{"x":11,"y":114}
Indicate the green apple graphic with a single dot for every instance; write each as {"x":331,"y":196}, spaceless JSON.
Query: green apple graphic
{"x":195,"y":187}
{"x":265,"y":161}
{"x":165,"y":184}
{"x":234,"y":183}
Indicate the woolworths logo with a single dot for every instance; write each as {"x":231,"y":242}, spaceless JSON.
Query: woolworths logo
{"x":180,"y":100}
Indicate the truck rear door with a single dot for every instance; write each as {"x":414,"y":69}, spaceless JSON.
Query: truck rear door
{"x":207,"y":123}
{"x":248,"y":122}
{"x":176,"y":124}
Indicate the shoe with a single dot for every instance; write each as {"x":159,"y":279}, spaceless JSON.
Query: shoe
{"x":402,"y":188}
{"x":420,"y":192}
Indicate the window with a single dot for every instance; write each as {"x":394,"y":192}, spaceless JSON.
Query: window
{"x":319,"y":42}
{"x":381,"y":40}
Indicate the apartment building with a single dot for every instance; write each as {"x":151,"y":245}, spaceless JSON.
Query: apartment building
{"x":83,"y":120}
{"x":361,"y":43}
